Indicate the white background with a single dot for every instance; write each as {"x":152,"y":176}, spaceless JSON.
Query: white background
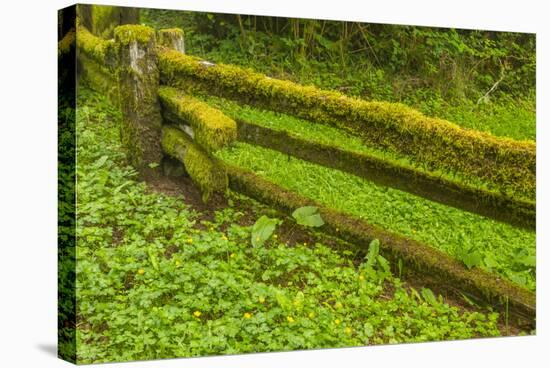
{"x":28,"y":197}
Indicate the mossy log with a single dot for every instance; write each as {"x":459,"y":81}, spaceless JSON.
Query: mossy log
{"x":384,"y":172}
{"x":205,"y":171}
{"x":448,"y":273}
{"x":212,"y":129}
{"x":508,"y":164}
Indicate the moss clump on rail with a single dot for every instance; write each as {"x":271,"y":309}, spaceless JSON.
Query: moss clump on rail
{"x":129,"y":33}
{"x":509,"y":164}
{"x":448,"y":273}
{"x":212,"y":128}
{"x":205,"y":171}
{"x":68,"y":41}
{"x":100,"y":50}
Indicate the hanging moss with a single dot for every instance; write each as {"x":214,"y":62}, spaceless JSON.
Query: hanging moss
{"x":205,"y":171}
{"x":213,"y":130}
{"x":509,"y":164}
{"x":448,"y":273}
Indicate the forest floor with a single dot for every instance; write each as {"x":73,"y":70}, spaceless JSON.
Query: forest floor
{"x":161,"y":274}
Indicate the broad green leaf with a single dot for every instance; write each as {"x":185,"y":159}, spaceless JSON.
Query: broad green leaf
{"x":263,"y":229}
{"x":308,"y":216}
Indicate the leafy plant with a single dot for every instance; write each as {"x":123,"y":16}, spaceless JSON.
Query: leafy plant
{"x":262,"y":230}
{"x":308,"y":216}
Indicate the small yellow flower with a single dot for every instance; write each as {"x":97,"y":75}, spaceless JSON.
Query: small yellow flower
{"x":311,"y":315}
{"x":232,"y":255}
{"x":224,"y":237}
{"x":197,"y":313}
{"x":178,"y":263}
{"x":275,"y":236}
{"x":141,"y":271}
{"x":361,"y":277}
{"x":348,"y":330}
{"x":305,"y":243}
{"x":190,"y":240}
{"x":247,"y":315}
{"x":338,"y":305}
{"x":290,"y":319}
{"x":257,"y":238}
{"x":337,"y":321}
{"x":261,"y":299}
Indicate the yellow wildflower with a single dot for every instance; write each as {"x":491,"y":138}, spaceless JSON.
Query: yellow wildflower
{"x":338,"y":305}
{"x":290,"y":319}
{"x":247,"y":315}
{"x":178,"y":263}
{"x":311,"y":315}
{"x":197,"y":313}
{"x":361,"y":277}
{"x":141,"y":271}
{"x":337,"y":321}
{"x":348,"y":330}
{"x":190,"y":240}
{"x":261,"y":299}
{"x":232,"y":255}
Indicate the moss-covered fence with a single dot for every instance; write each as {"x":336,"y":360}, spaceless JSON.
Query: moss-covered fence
{"x":162,"y":120}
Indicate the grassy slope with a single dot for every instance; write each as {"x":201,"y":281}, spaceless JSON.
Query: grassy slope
{"x":502,"y":248}
{"x":151,"y":285}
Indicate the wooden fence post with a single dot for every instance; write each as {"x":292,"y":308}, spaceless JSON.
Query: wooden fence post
{"x":172,"y":38}
{"x":138,"y":84}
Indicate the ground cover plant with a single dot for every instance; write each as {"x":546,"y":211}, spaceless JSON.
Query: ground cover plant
{"x":474,"y":239}
{"x":156,"y":279}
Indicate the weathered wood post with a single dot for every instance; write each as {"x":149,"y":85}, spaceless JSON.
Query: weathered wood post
{"x":172,"y":38}
{"x":138,"y":83}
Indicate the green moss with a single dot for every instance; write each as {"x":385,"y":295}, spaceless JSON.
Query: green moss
{"x":205,"y":171}
{"x":213,"y":130}
{"x":99,"y":78}
{"x":437,"y":143}
{"x":128,"y":33}
{"x":172,"y":38}
{"x":104,"y":20}
{"x":449,"y":274}
{"x":101,"y":51}
{"x":68,"y":41}
{"x":387,"y":173}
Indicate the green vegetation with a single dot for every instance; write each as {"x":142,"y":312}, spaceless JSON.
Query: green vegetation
{"x":445,"y":73}
{"x":157,"y":280}
{"x":507,"y":164}
{"x":478,"y":241}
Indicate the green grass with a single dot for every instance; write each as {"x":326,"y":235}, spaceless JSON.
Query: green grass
{"x":151,"y":285}
{"x":495,"y":246}
{"x":325,"y":134}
